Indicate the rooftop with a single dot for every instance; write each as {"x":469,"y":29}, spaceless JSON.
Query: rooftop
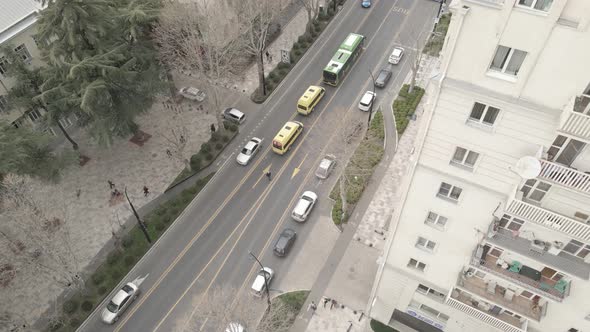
{"x":15,"y":16}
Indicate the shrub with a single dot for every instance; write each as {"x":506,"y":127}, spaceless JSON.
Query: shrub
{"x":70,"y":306}
{"x":296,"y":46}
{"x":214,"y":138}
{"x":309,"y":38}
{"x":317,"y":25}
{"x":127,"y":241}
{"x":102,"y":290}
{"x":74,"y":322}
{"x":272,"y":75}
{"x":283,"y":65}
{"x":297,"y":53}
{"x":195,"y":162}
{"x":217,"y":135}
{"x":206,"y":147}
{"x":301,"y":39}
{"x":209,"y":156}
{"x":129,"y":260}
{"x":160,"y":226}
{"x":314,"y":33}
{"x":98,"y":278}
{"x":232,"y":127}
{"x":55,"y":325}
{"x":225,"y":139}
{"x":304,"y":46}
{"x":87,"y":305}
{"x":113,"y":258}
{"x":219,"y":146}
{"x":116,"y":274}
{"x":269,"y":87}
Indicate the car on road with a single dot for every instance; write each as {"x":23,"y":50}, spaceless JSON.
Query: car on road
{"x":285,"y":242}
{"x":234,"y":115}
{"x":259,"y":285}
{"x":383,"y":78}
{"x":366,"y":3}
{"x":235,"y":327}
{"x":119,"y":303}
{"x":249,"y":151}
{"x":367,"y":101}
{"x":304,"y":206}
{"x":192,"y":93}
{"x":396,"y":55}
{"x":326,"y":166}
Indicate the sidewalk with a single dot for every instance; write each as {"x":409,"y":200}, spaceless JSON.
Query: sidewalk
{"x":92,"y":219}
{"x":351,"y":282}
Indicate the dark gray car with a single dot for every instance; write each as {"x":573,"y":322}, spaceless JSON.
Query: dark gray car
{"x":285,"y":242}
{"x":383,"y":78}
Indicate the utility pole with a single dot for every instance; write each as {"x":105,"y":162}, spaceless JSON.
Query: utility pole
{"x":265,"y":280}
{"x":142,"y":225}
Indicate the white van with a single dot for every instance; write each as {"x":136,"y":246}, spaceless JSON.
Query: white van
{"x":367,"y":100}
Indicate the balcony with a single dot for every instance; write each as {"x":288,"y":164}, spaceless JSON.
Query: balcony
{"x":503,"y":297}
{"x":573,"y":120}
{"x":549,"y":219}
{"x":543,"y":286}
{"x":487,"y":313}
{"x":562,"y":261}
{"x":565,"y":176}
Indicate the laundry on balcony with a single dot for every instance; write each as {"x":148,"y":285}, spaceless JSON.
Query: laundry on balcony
{"x":515,"y":267}
{"x":561,"y":286}
{"x":530,"y":273}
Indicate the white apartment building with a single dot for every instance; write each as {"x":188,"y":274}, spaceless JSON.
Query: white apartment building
{"x":494,"y":230}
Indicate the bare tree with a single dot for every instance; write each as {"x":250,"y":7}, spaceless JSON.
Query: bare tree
{"x":34,"y":234}
{"x":220,"y":307}
{"x":200,"y":38}
{"x":417,"y":59}
{"x":175,"y":141}
{"x":255,"y":21}
{"x":312,"y":7}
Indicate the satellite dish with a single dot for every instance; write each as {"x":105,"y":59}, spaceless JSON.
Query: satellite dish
{"x":528,"y":167}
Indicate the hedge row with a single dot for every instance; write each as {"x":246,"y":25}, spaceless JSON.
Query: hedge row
{"x":405,"y":105}
{"x":119,"y":262}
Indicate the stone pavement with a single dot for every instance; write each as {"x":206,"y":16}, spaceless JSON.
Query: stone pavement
{"x":92,"y":217}
{"x":350,"y":284}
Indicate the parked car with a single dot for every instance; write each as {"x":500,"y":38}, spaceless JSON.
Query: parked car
{"x":259,"y":285}
{"x":396,"y":55}
{"x":304,"y":206}
{"x":192,"y":93}
{"x":234,"y":115}
{"x":367,"y":100}
{"x":326,"y":166}
{"x":366,"y":3}
{"x":235,"y":327}
{"x":383,"y":78}
{"x":249,"y":151}
{"x":119,"y":303}
{"x":284,"y":242}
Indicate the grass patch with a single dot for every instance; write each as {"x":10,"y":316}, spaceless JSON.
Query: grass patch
{"x":377,"y":326}
{"x":207,"y":154}
{"x":284,"y":310}
{"x":121,"y":260}
{"x":436,"y":40}
{"x":359,"y":169}
{"x":405,"y":105}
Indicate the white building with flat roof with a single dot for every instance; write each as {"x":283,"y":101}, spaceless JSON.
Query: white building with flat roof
{"x":494,"y":230}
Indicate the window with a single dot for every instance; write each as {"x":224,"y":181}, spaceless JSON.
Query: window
{"x":449,"y":191}
{"x":496,"y":252}
{"x":3,"y":65}
{"x":464,"y":157}
{"x":3,"y":104}
{"x":436,"y":220}
{"x":542,"y":5}
{"x":34,"y":115}
{"x":425,"y":244}
{"x":439,"y":296}
{"x":511,"y":223}
{"x":430,"y":311}
{"x":577,"y":249}
{"x":22,"y":51}
{"x":483,"y":114}
{"x":581,"y":216}
{"x":535,"y":190}
{"x":507,"y":60}
{"x":414,"y":264}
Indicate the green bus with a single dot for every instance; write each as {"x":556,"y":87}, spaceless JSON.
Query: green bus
{"x":342,"y":61}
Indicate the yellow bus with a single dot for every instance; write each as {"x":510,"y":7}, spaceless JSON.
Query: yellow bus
{"x":310,"y":98}
{"x":286,"y":136}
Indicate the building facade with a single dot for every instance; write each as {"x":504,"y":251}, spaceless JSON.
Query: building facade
{"x":494,"y":230}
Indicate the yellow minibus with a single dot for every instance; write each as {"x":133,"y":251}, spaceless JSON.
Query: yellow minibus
{"x":286,"y":136}
{"x":310,"y":99}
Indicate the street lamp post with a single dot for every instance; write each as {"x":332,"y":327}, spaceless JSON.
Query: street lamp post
{"x":142,"y":225}
{"x":265,"y":279}
{"x":371,"y":107}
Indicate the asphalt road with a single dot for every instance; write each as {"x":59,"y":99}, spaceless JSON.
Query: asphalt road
{"x":240,"y":210}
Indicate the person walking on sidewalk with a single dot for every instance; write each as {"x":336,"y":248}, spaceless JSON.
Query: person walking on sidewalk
{"x":146,"y":191}
{"x":111,"y":184}
{"x":312,"y":307}
{"x":268,"y":59}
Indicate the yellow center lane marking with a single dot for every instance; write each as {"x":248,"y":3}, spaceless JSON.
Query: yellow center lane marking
{"x":298,"y":168}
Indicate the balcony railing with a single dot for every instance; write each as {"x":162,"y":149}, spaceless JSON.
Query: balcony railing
{"x":565,"y":176}
{"x":573,"y":121}
{"x":549,"y":219}
{"x":514,"y":326}
{"x":488,"y":264}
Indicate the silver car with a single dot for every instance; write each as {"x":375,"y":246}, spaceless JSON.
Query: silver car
{"x":259,"y":285}
{"x":249,"y":151}
{"x":192,"y":93}
{"x":396,"y":55}
{"x":119,"y":303}
{"x":234,"y":115}
{"x":304,"y":206}
{"x":326,"y":166}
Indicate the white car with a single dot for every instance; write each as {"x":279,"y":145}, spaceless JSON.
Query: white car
{"x":304,"y":206}
{"x":326,"y":166}
{"x":235,"y":327}
{"x":192,"y":93}
{"x":119,"y":303}
{"x":259,"y":285}
{"x":367,"y":101}
{"x":396,"y":55}
{"x":249,"y":151}
{"x":234,"y":115}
